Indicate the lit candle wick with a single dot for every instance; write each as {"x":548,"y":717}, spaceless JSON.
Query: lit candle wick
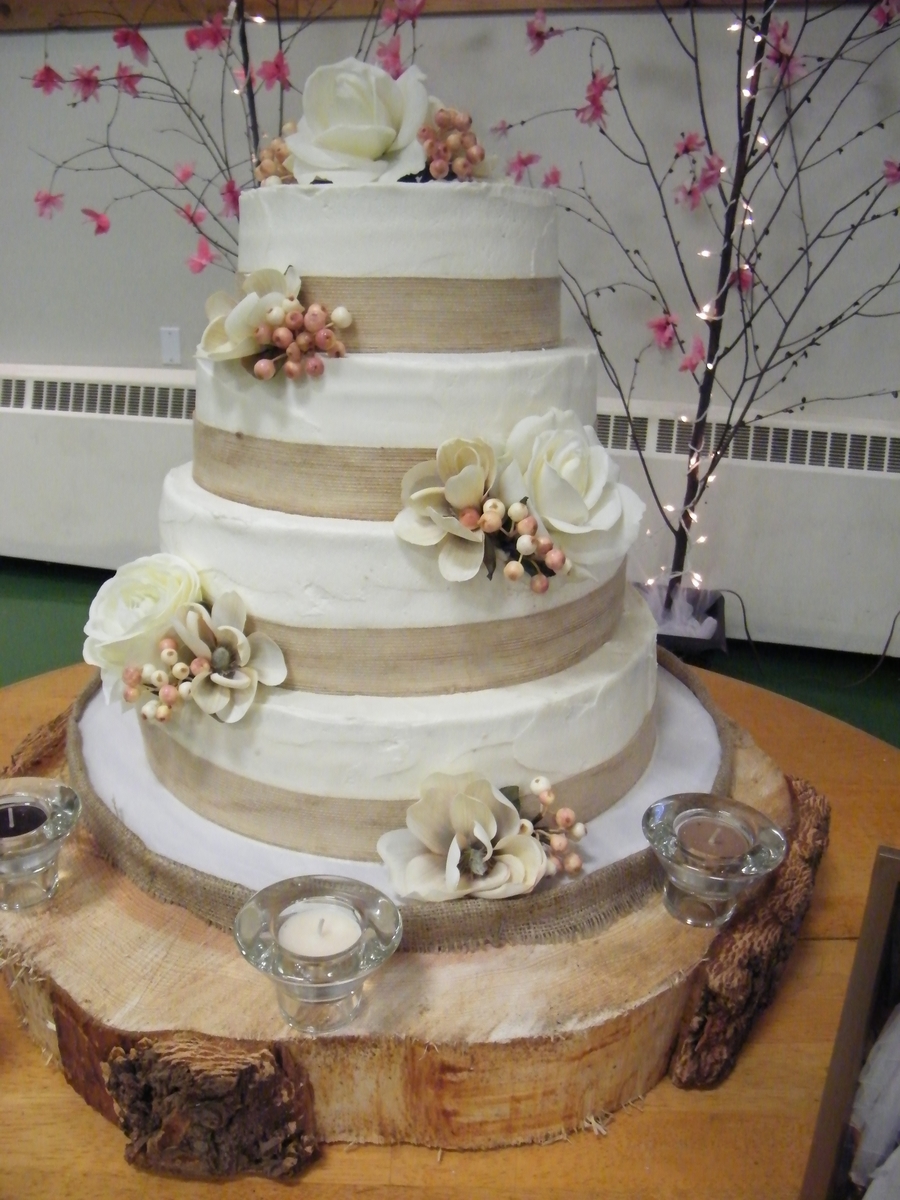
{"x":12,"y":823}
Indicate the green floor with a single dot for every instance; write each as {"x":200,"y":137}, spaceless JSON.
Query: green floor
{"x":43,"y":608}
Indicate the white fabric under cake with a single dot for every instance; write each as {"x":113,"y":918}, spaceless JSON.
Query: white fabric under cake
{"x":450,"y":231}
{"x":400,"y":400}
{"x":686,"y":759}
{"x":327,"y":573}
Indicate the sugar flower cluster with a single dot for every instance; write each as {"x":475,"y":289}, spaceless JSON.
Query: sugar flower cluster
{"x":548,"y":502}
{"x":270,"y":327}
{"x":465,"y":837}
{"x":159,"y":647}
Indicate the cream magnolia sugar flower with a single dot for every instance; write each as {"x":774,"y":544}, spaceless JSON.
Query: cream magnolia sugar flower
{"x":233,"y":322}
{"x":133,"y":610}
{"x":359,"y":125}
{"x":231,"y":665}
{"x":434,"y":494}
{"x":572,"y":487}
{"x":463,"y":838}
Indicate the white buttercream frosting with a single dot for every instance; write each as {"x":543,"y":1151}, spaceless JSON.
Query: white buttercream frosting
{"x":402,"y":400}
{"x":359,"y":747}
{"x":401,"y":230}
{"x":326,"y":573}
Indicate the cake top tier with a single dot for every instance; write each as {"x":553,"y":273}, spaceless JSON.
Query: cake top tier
{"x":466,"y":230}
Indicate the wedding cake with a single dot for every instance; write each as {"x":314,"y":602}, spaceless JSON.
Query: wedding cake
{"x":399,"y":550}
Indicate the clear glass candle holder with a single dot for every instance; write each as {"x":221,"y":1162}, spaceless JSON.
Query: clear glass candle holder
{"x":36,"y":817}
{"x":712,"y":850}
{"x":318,"y":937}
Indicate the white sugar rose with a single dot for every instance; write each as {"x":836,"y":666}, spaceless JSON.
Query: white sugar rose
{"x":133,"y":610}
{"x":572,"y":487}
{"x":359,"y":125}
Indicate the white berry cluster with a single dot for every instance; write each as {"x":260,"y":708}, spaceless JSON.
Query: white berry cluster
{"x":272,"y":158}
{"x":168,"y":682}
{"x":452,"y":151}
{"x":556,"y":831}
{"x":514,"y":532}
{"x":296,"y":338}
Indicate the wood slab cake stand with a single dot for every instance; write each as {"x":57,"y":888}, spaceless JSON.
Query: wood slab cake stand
{"x":160,"y":1025}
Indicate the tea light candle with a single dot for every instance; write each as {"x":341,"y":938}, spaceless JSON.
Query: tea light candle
{"x":19,"y":818}
{"x":711,"y":837}
{"x":319,"y":929}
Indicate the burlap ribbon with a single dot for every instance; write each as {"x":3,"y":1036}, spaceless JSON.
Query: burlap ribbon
{"x":431,"y":316}
{"x":580,"y":909}
{"x":437,"y":659}
{"x":358,"y":483}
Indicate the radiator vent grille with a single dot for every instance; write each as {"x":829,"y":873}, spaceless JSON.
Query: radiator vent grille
{"x":788,"y":446}
{"x":162,"y":402}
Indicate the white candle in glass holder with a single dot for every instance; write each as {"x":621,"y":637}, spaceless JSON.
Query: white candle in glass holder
{"x":319,"y":928}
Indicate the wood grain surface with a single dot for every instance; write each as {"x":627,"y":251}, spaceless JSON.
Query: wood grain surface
{"x":748,"y":1138}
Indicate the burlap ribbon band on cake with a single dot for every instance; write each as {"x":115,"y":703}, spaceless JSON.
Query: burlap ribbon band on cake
{"x":356,"y":483}
{"x":439,"y":659}
{"x":554,"y":915}
{"x":431,"y":316}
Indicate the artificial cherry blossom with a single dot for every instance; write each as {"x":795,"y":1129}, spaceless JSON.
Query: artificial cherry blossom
{"x":132,"y":39}
{"x":127,"y":80}
{"x":275,"y":70}
{"x":663,"y":329}
{"x":388,"y":55}
{"x":210,"y":36}
{"x":48,"y":203}
{"x":539,"y":31}
{"x":101,"y":220}
{"x":689,"y":143}
{"x":194,"y":216}
{"x":203,"y":257}
{"x":230,"y":193}
{"x":518,"y":166}
{"x":553,"y":178}
{"x":594,"y":111}
{"x":743,"y":278}
{"x":184,"y":172}
{"x":86,"y":82}
{"x":47,"y":80}
{"x":891,"y":172}
{"x":692,"y":360}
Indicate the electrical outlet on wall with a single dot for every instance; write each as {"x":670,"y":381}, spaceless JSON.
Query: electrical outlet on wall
{"x":170,"y":345}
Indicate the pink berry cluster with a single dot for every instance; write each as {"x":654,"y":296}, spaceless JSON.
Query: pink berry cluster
{"x":168,"y":683}
{"x":557,"y":832}
{"x":272,"y":159}
{"x":452,"y":151}
{"x":514,"y":532}
{"x":296,"y":338}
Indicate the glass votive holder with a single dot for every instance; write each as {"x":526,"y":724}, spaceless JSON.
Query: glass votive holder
{"x":712,"y":850}
{"x":318,"y":937}
{"x":36,"y":817}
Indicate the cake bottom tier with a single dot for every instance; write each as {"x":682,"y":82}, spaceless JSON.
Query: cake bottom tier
{"x":329,"y":774}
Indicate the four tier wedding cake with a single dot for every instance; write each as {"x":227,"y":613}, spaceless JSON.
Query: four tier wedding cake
{"x":398,"y":554}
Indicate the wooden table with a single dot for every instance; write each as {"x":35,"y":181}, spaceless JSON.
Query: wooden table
{"x":748,"y":1138}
